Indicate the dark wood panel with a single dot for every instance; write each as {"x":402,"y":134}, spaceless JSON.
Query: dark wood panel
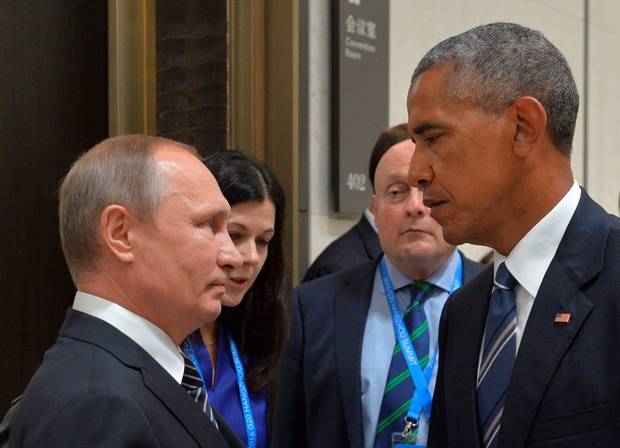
{"x":192,"y":76}
{"x":53,"y":105}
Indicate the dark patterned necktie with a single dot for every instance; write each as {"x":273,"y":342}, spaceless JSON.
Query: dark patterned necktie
{"x":498,"y":356}
{"x":399,"y":387}
{"x":192,"y":383}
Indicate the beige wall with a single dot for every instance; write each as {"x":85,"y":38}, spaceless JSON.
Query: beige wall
{"x":604,"y":103}
{"x":415,"y":26}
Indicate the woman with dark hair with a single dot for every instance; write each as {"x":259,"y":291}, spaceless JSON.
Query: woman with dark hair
{"x":237,"y":355}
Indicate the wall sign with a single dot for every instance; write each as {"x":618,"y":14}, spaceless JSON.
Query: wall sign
{"x":360,"y":83}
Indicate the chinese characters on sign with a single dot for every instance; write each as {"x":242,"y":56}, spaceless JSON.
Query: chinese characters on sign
{"x":361,"y":96}
{"x":361,"y":27}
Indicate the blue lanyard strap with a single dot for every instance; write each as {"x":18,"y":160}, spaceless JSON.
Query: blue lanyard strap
{"x":248,"y":417}
{"x":422,"y":398}
{"x":250,"y":427}
{"x":188,"y":349}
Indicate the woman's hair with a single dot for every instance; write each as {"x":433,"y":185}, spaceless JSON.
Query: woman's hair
{"x":259,"y":323}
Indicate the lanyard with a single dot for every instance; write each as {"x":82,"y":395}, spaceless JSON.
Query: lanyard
{"x":250,"y":427}
{"x":188,"y":348}
{"x":422,"y":398}
{"x":248,"y":417}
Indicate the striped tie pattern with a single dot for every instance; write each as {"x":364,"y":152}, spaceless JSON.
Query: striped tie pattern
{"x":192,"y":383}
{"x":399,"y":387}
{"x":498,"y":356}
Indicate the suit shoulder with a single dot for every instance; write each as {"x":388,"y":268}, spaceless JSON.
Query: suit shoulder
{"x":345,"y":251}
{"x":72,"y":367}
{"x":474,"y":288}
{"x":615,"y":224}
{"x":612,"y":248}
{"x":343,"y":276}
{"x":471,"y":268}
{"x":115,"y":410}
{"x":326,"y":287}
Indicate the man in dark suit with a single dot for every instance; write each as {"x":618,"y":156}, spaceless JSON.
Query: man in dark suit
{"x":360,"y":243}
{"x":337,"y":365}
{"x":143,"y":230}
{"x":528,"y":349}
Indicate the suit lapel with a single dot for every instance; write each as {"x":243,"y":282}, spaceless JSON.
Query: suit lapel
{"x":179,"y":404}
{"x":544,"y":343}
{"x":466,"y":327}
{"x":95,"y":331}
{"x":350,"y":312}
{"x":229,"y":434}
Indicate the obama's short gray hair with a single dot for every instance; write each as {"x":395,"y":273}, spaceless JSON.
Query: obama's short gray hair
{"x":493,"y":65}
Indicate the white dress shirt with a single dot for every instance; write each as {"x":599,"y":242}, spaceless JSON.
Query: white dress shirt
{"x":529,"y":260}
{"x":144,"y":333}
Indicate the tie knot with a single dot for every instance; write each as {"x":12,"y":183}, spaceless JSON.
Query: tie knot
{"x":191,"y":377}
{"x":503,"y":278}
{"x":420,"y":291}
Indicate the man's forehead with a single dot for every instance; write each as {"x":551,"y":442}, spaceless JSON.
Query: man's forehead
{"x":430,"y":87}
{"x":181,"y":165}
{"x":189,"y":178}
{"x":432,"y":74}
{"x":405,"y":145}
{"x":430,"y":106}
{"x":395,"y":162}
{"x":173,"y":153}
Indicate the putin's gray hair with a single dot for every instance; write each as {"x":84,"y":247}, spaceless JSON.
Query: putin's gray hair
{"x":120,"y":170}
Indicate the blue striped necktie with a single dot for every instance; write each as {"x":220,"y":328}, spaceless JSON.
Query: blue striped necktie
{"x":192,"y":383}
{"x":399,"y":387}
{"x":498,"y":356}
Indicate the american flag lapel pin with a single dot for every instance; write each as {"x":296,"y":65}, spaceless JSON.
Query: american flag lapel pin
{"x":562,"y":318}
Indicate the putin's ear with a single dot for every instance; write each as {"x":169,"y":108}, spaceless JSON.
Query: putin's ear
{"x":115,"y":224}
{"x":531,"y":124}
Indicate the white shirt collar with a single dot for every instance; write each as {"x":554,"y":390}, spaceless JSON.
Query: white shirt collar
{"x":371,"y":219}
{"x":144,"y":333}
{"x":443,"y":278}
{"x":529,"y":260}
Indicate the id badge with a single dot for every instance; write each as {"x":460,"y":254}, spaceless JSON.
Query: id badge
{"x":400,"y":441}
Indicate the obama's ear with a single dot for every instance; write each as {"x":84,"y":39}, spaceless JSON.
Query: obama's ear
{"x":531,"y":125}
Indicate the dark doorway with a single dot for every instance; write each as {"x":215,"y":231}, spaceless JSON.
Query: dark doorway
{"x":53,"y":106}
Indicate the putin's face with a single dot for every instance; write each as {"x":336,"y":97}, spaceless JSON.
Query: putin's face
{"x":184,"y":256}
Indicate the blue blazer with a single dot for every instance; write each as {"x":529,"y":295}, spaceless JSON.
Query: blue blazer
{"x":319,"y":395}
{"x":565,"y":387}
{"x":96,"y":387}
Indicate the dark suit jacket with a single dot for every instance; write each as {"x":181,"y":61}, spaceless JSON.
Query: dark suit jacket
{"x":319,"y":397}
{"x":565,"y":387}
{"x":358,"y":245}
{"x":96,"y":387}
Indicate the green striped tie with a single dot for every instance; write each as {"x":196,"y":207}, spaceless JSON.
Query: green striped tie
{"x":399,"y":387}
